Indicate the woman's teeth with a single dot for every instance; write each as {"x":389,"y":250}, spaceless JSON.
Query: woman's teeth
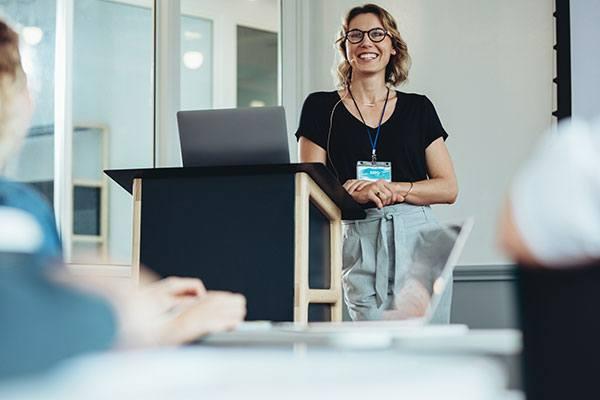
{"x":367,"y":56}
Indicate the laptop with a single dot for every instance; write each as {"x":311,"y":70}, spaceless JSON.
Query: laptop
{"x":433,"y":261}
{"x":238,"y":136}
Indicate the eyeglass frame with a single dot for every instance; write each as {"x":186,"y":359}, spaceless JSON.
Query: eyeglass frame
{"x":386,"y":33}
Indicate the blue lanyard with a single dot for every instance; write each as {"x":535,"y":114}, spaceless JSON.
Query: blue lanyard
{"x":371,"y":140}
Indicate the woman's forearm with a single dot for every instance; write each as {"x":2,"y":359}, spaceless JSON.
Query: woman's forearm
{"x":429,"y":191}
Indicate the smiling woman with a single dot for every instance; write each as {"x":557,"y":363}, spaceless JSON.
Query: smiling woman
{"x":387,"y":148}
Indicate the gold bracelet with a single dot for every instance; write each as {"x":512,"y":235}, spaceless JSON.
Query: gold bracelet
{"x":409,"y":189}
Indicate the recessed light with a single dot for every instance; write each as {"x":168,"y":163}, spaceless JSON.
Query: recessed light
{"x":32,"y":35}
{"x":193,"y":59}
{"x":191,"y":35}
{"x":257,"y":103}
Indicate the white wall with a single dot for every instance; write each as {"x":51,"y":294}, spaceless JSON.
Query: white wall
{"x":487,"y":67}
{"x":585,"y":58}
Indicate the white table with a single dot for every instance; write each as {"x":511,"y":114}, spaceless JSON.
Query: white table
{"x":417,"y":369}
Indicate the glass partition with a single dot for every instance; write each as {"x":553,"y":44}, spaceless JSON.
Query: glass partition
{"x":113,"y":120}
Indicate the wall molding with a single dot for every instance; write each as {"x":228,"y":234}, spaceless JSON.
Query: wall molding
{"x":490,"y":272}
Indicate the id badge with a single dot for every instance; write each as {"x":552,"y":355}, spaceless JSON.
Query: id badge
{"x":373,"y":171}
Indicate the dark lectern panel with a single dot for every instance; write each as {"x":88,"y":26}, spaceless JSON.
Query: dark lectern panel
{"x":318,"y":172}
{"x":319,"y":276}
{"x":319,"y":312}
{"x":233,"y":232}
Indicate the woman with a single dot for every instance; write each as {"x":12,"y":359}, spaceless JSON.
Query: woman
{"x":387,"y":148}
{"x":64,"y":317}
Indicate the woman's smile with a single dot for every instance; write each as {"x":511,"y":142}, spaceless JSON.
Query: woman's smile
{"x":368,"y":56}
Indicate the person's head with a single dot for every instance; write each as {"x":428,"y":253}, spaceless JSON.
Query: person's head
{"x":380,"y":50}
{"x":15,"y":104}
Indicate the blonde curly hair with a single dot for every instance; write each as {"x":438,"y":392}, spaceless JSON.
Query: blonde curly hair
{"x":396,"y":71}
{"x":13,"y":84}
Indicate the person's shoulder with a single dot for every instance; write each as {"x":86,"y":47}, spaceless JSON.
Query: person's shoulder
{"x":21,"y":195}
{"x":322,"y":97}
{"x":416,"y":102}
{"x":18,"y":189}
{"x":412,"y":98}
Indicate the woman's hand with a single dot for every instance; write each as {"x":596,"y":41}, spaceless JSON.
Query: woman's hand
{"x":380,"y":192}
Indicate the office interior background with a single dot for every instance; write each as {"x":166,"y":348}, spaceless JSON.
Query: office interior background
{"x":109,"y":75}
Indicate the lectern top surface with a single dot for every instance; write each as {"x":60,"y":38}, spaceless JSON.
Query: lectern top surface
{"x":317,"y":171}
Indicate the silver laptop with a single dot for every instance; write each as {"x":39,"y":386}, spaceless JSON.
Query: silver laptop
{"x":239,"y":136}
{"x":433,"y":262}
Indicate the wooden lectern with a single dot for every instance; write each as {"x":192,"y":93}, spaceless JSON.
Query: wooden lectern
{"x":271,"y":232}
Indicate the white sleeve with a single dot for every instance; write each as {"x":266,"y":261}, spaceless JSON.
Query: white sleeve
{"x":556,"y":196}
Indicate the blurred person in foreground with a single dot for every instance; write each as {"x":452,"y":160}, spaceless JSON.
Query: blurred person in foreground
{"x":552,"y":217}
{"x":45,"y":314}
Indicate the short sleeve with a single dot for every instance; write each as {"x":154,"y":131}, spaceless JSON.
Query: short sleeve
{"x":312,"y":121}
{"x":432,"y":126}
{"x":555,"y":198}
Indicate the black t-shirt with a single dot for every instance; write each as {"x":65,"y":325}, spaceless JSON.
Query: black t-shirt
{"x":403,"y":138}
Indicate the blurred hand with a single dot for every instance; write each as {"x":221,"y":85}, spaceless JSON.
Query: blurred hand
{"x":411,"y":301}
{"x":145,"y":311}
{"x":212,"y":312}
{"x":380,"y":192}
{"x":170,"y":311}
{"x":173,"y":292}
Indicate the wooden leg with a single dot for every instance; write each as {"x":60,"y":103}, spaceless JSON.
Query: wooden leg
{"x":308,"y":191}
{"x":137,"y":225}
{"x":336,"y":268}
{"x":301,"y":298}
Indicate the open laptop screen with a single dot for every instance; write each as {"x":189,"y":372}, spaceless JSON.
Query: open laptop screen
{"x":429,"y":271}
{"x":239,"y":136}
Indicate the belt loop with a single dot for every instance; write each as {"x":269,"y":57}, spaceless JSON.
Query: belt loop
{"x":399,"y":251}
{"x":381,"y":264}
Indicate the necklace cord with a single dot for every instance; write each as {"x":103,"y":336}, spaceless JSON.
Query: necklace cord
{"x":373,"y":142}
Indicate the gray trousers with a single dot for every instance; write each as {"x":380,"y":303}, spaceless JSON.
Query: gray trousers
{"x":379,"y":273}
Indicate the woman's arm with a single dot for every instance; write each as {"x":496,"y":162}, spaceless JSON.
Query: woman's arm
{"x":441,"y":187}
{"x":379,"y":192}
{"x":309,"y":151}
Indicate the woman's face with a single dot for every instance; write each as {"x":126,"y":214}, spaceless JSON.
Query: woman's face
{"x":368,"y":56}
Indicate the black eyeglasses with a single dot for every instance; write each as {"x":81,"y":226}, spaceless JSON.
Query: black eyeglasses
{"x":376,"y":35}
